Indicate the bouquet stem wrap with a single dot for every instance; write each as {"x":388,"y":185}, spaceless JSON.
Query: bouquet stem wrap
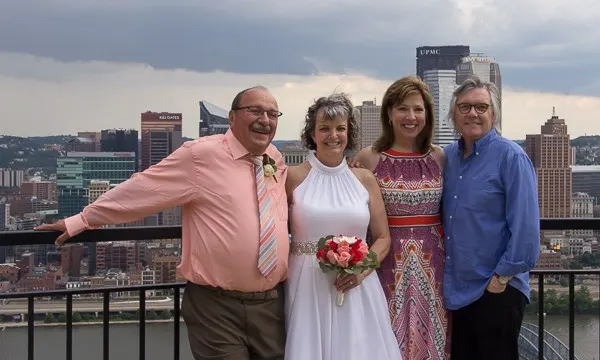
{"x":339,"y":298}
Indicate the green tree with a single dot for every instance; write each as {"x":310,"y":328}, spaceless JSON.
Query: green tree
{"x":49,"y":318}
{"x":76,"y":317}
{"x":576,"y":265}
{"x":584,"y":303}
{"x":165,"y":315}
{"x":151,"y":315}
{"x":128,"y":316}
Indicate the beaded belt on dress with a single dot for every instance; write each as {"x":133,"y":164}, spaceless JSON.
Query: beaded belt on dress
{"x":303,"y":248}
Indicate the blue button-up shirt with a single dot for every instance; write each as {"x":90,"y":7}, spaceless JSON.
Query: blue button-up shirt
{"x":490,"y":217}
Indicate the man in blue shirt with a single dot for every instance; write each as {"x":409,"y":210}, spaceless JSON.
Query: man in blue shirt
{"x":491,"y":228}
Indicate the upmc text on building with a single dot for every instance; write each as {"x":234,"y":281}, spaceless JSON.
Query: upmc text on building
{"x":451,"y":50}
{"x":426,"y":52}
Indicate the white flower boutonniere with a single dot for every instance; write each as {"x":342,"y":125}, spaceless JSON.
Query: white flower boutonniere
{"x":269,"y":167}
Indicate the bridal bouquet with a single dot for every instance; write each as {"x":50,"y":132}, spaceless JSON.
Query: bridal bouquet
{"x":345,"y":254}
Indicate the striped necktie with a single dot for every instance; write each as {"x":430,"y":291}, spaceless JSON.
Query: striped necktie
{"x":267,"y":253}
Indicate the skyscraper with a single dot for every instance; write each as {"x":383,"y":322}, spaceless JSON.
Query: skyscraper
{"x":441,"y":84}
{"x":76,"y":170}
{"x":440,"y":57}
{"x":370,"y":123}
{"x":161,"y":135}
{"x":485,"y":68}
{"x":551,"y":158}
{"x":120,"y":140}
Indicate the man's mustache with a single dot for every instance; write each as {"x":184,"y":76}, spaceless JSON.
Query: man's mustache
{"x":259,"y":127}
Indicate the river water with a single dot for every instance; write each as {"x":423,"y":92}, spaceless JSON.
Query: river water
{"x":50,"y":342}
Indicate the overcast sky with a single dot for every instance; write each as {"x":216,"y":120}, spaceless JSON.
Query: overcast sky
{"x":85,"y":65}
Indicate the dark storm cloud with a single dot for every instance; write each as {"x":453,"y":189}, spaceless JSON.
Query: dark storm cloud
{"x":280,"y":37}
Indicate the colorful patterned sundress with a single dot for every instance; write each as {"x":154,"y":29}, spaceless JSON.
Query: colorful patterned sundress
{"x":411,"y":275}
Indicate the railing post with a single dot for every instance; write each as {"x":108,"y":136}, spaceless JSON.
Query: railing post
{"x":540,"y":343}
{"x":69,"y":327}
{"x":176,"y":301}
{"x":105,"y":325}
{"x":30,"y":328}
{"x":571,"y":316}
{"x":142,"y":321}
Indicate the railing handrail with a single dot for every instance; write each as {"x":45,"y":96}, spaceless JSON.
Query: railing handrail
{"x":138,"y":233}
{"x":565,"y":272}
{"x":134,"y":233}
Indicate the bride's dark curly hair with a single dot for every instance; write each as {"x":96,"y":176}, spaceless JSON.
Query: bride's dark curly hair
{"x":331,"y":107}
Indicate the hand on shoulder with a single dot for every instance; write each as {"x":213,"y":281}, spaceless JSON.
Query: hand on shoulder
{"x":366,"y":158}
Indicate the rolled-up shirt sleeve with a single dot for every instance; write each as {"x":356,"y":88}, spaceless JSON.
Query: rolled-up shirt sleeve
{"x":170,"y":183}
{"x":522,"y":216}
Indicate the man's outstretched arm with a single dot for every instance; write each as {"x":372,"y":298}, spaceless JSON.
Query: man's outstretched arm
{"x":170,"y":183}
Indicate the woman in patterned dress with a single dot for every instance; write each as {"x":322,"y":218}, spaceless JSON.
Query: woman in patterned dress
{"x":409,"y":170}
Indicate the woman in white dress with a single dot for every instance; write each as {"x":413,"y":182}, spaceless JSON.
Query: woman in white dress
{"x":327,"y":197}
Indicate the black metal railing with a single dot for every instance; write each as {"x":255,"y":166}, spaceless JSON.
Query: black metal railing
{"x":105,"y":291}
{"x":12,"y":238}
{"x":571,"y":284}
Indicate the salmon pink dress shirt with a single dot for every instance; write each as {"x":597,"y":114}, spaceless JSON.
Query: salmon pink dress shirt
{"x":213,"y":178}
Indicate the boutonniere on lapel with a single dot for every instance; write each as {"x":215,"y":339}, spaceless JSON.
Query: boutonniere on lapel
{"x":269,"y":167}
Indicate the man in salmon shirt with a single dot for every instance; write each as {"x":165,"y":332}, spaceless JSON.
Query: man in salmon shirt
{"x":234,"y":234}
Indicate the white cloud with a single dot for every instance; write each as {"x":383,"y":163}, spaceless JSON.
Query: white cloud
{"x":63,"y":98}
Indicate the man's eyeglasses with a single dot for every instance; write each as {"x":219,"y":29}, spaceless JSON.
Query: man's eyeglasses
{"x":479,"y":108}
{"x":257,"y":111}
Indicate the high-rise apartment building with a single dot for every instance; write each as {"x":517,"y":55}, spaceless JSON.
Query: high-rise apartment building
{"x":586,"y":179}
{"x":440,"y":57}
{"x":485,"y":68}
{"x":11,"y":178}
{"x":75,"y":171}
{"x":4,"y":215}
{"x":43,"y":190}
{"x":551,"y":158}
{"x":370,"y":123}
{"x":213,"y":119}
{"x":441,"y":84}
{"x":120,"y":140}
{"x":161,"y":135}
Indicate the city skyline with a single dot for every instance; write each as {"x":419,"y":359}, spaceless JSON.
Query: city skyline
{"x":522,"y":111}
{"x":53,"y":82}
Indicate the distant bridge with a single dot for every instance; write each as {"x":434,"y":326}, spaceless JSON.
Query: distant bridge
{"x":60,"y":307}
{"x":554,"y":349}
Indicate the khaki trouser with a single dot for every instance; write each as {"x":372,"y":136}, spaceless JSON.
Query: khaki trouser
{"x":232,"y":325}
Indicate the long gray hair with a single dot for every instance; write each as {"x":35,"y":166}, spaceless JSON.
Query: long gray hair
{"x":473,"y":82}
